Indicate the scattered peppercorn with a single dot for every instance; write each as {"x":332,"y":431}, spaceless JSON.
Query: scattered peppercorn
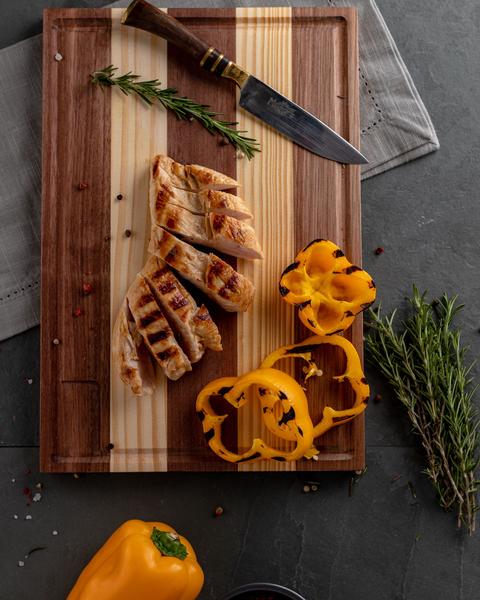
{"x":55,"y":341}
{"x":377,"y":398}
{"x":379,"y":250}
{"x":222,"y":141}
{"x":107,"y":238}
{"x":82,"y":185}
{"x":128,"y":233}
{"x":119,"y":196}
{"x":87,"y":288}
{"x":77,"y":312}
{"x":110,"y":446}
{"x":306,"y":489}
{"x":218,"y":512}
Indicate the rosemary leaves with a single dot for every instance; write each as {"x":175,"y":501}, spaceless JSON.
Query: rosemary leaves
{"x":425,"y":365}
{"x":184,"y":108}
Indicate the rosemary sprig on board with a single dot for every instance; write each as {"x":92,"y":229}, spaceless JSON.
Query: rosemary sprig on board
{"x":184,"y":108}
{"x":425,"y":365}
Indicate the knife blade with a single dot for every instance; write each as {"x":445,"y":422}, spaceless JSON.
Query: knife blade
{"x":256,"y":97}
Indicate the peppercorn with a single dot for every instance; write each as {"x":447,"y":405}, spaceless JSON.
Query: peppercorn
{"x":128,"y":233}
{"x":77,"y":312}
{"x":218,"y":512}
{"x":379,"y":250}
{"x":82,"y":185}
{"x":87,"y":288}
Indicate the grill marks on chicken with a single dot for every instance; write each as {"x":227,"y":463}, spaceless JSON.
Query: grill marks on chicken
{"x":155,"y":330}
{"x":199,"y":203}
{"x":193,"y":326}
{"x":134,"y":362}
{"x":193,"y":178}
{"x":215,"y":230}
{"x":159,"y":321}
{"x":212,"y":275}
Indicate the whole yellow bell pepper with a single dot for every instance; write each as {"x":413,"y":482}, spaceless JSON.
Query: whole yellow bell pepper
{"x":141,"y":561}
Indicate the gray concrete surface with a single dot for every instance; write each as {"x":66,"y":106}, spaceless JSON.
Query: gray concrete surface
{"x":379,"y":543}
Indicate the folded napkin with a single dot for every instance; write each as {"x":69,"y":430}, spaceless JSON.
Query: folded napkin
{"x":395,"y":126}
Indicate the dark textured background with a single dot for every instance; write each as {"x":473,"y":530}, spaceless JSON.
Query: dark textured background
{"x":380,"y":543}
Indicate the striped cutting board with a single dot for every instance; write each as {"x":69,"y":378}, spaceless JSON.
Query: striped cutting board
{"x":89,"y":420}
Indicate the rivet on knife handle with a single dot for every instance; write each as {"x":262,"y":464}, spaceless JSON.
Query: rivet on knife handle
{"x":143,"y":15}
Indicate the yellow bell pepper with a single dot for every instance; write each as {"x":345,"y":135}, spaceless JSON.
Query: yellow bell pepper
{"x":326,"y":288}
{"x":141,"y":561}
{"x":283,"y":391}
{"x":353,"y":374}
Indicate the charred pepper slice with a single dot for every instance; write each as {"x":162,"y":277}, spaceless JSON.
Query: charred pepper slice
{"x":326,"y":287}
{"x":353,"y":374}
{"x":283,"y":389}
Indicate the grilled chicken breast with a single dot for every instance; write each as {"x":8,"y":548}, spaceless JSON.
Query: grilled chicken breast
{"x":221,"y":232}
{"x":193,"y":326}
{"x":231,"y":290}
{"x":155,"y":330}
{"x":131,"y":355}
{"x":199,"y":203}
{"x":193,"y":178}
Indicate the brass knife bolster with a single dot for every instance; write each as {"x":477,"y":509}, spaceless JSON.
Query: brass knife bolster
{"x":215,"y":62}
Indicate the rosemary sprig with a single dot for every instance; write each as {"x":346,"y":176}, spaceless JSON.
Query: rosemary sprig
{"x":184,"y":108}
{"x":426,"y":367}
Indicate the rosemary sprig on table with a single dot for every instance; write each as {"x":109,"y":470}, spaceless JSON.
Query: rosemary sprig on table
{"x":184,"y":108}
{"x":425,"y":365}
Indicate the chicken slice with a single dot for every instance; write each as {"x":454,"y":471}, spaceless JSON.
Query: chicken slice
{"x":199,"y":203}
{"x":131,"y":355}
{"x":193,"y":326}
{"x":223,"y":233}
{"x":231,"y":290}
{"x":194,"y":178}
{"x":155,"y":330}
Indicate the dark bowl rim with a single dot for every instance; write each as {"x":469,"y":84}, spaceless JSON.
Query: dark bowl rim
{"x":262,"y":587}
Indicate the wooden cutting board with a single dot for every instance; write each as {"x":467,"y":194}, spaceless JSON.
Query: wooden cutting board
{"x":89,"y":420}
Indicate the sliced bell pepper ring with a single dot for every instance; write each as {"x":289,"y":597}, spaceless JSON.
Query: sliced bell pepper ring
{"x":326,"y":287}
{"x":353,"y":374}
{"x":282,"y":388}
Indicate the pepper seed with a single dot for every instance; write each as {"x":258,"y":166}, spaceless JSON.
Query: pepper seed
{"x":58,"y":57}
{"x":128,"y":233}
{"x":306,"y":489}
{"x":119,"y":196}
{"x":218,"y":512}
{"x":55,"y":341}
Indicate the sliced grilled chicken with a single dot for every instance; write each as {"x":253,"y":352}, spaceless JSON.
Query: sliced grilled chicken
{"x":223,"y":233}
{"x":131,"y":355}
{"x":155,"y":330}
{"x":192,"y":325}
{"x":194,"y":178}
{"x":199,"y":203}
{"x":231,"y":290}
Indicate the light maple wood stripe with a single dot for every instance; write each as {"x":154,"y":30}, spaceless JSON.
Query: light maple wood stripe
{"x":264,"y":42}
{"x":138,"y":425}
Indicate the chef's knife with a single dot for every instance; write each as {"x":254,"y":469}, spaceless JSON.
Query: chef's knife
{"x":255,"y":96}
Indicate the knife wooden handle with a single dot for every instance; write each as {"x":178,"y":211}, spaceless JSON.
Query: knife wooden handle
{"x":143,"y":15}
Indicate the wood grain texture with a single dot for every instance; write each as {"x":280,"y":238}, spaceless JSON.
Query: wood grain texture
{"x":327,"y":198}
{"x":187,"y":449}
{"x":75,"y":395}
{"x":308,"y":54}
{"x":264,"y":47}
{"x":138,"y":425}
